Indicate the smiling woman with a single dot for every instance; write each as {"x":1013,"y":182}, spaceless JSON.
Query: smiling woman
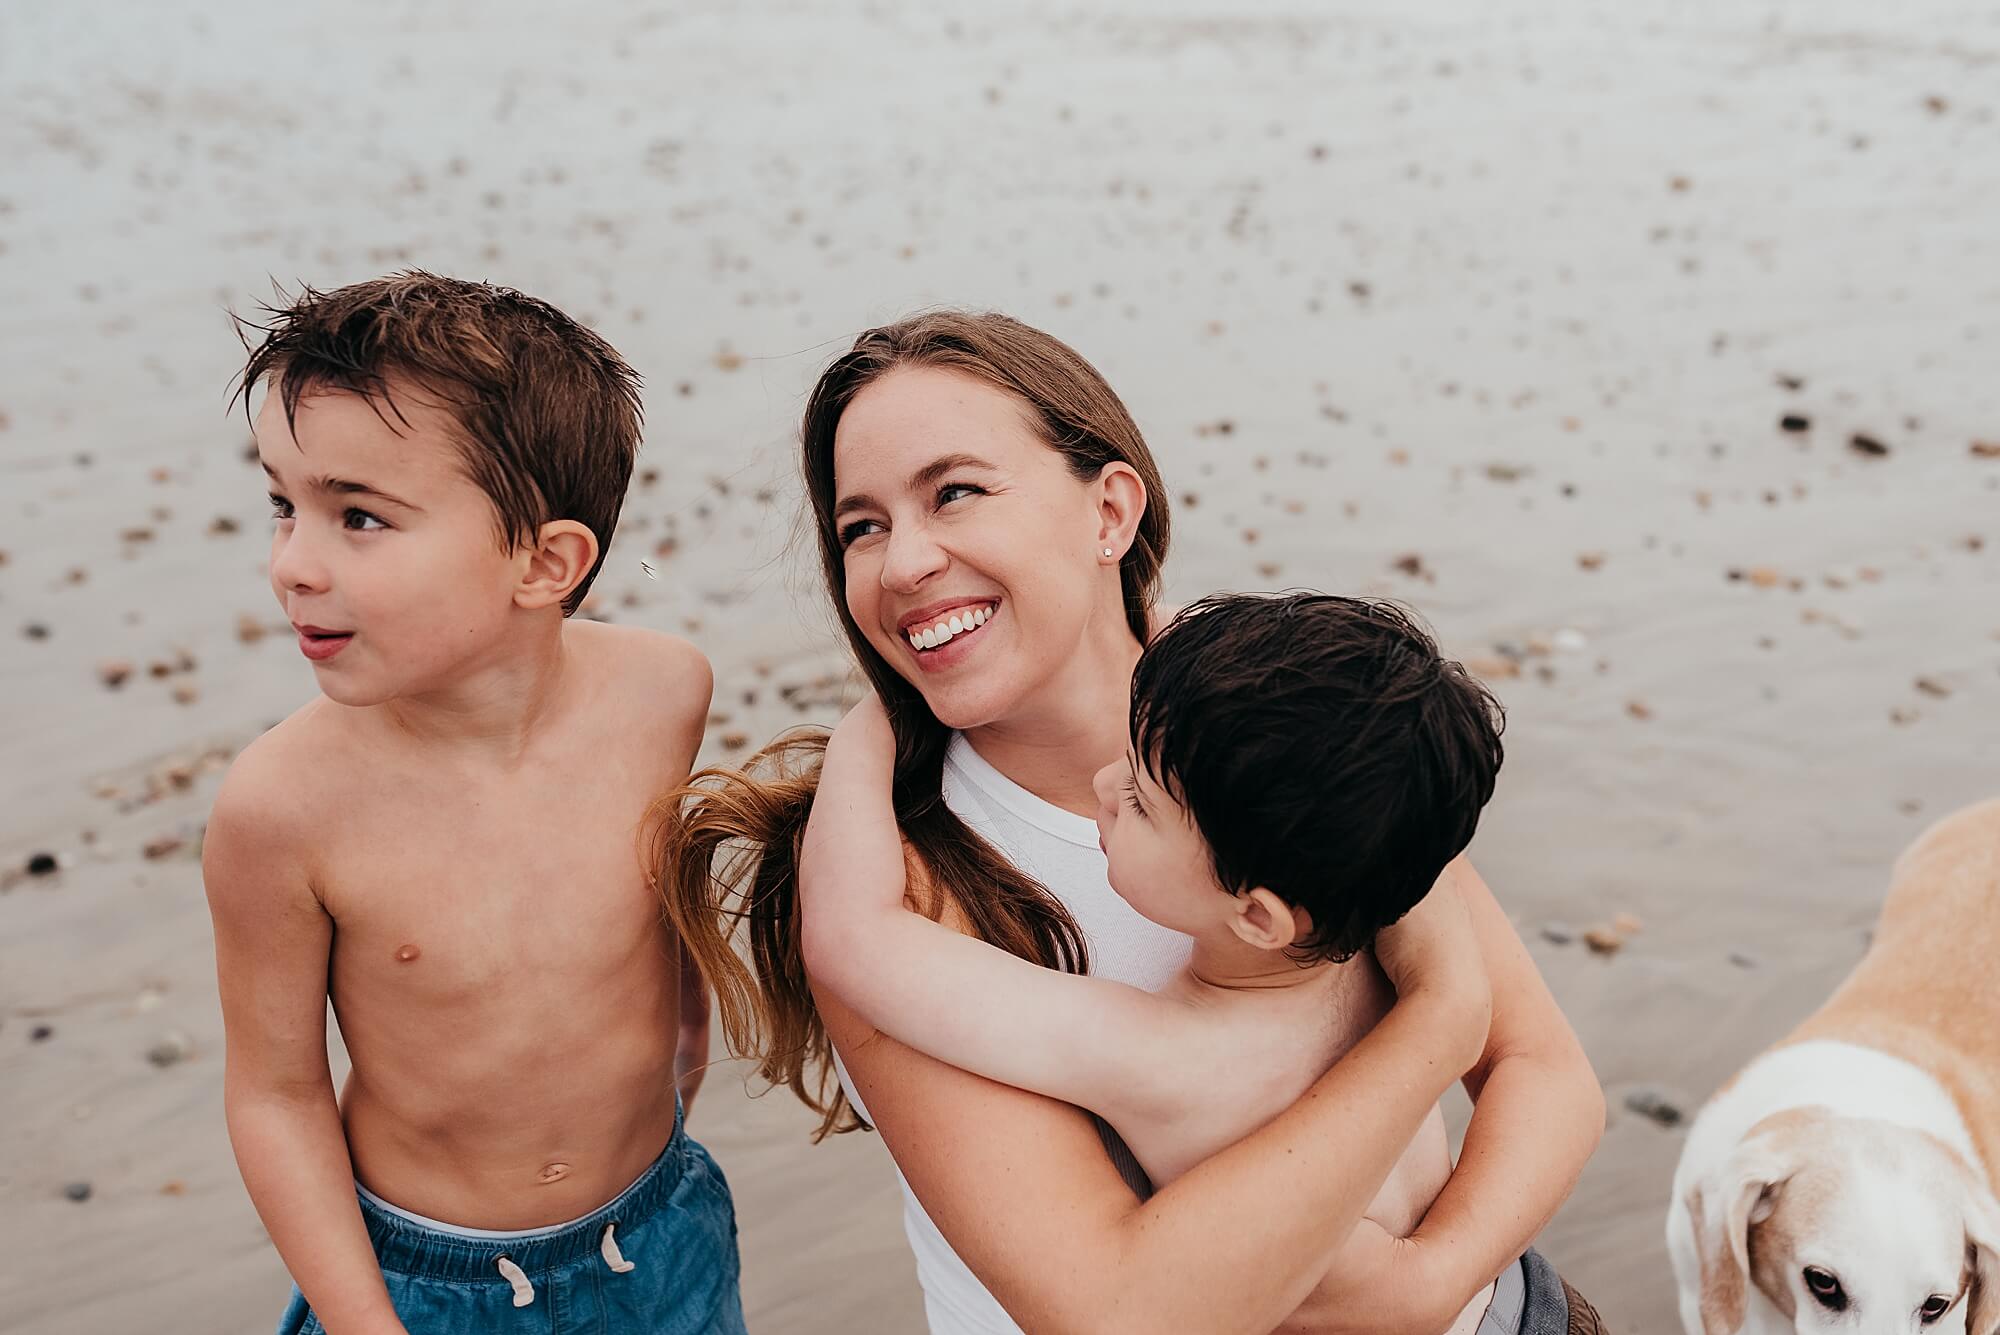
{"x":991,"y":527}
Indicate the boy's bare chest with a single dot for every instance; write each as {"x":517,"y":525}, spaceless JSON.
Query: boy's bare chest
{"x":447,"y":892}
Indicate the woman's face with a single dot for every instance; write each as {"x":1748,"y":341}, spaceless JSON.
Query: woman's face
{"x":973,"y":557}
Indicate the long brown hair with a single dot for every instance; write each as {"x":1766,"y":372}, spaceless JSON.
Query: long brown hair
{"x":727,"y":844}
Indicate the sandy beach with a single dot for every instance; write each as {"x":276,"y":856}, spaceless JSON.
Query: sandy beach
{"x":1649,"y":351}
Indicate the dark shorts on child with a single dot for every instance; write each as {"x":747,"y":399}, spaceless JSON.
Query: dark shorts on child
{"x":1544,"y":1301}
{"x":660,"y":1259}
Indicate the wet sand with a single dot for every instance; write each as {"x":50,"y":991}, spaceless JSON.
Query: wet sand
{"x":1501,"y":316}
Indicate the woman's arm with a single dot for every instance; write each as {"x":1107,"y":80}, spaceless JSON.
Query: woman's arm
{"x":1020,"y":1186}
{"x":1089,"y":1041}
{"x":1538,"y":1113}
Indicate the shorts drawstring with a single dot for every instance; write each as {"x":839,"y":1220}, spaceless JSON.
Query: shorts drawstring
{"x":524,"y":1292}
{"x":608,"y":1248}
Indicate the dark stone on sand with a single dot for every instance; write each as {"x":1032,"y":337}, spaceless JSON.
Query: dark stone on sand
{"x":1862,"y":443}
{"x":1655,"y":1105}
{"x":1795,"y":422}
{"x":1743,"y":959}
{"x":35,"y":630}
{"x":1558,"y":933}
{"x":77,"y":1191}
{"x":41,"y":1033}
{"x":42,"y":864}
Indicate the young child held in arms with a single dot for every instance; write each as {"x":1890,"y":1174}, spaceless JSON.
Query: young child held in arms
{"x":1302,"y":770}
{"x":446,"y":843}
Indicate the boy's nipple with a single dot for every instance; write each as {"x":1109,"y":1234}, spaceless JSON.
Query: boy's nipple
{"x":408,"y":953}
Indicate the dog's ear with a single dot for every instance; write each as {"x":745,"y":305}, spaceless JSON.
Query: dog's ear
{"x":1982,"y":1261}
{"x":1724,"y":1207}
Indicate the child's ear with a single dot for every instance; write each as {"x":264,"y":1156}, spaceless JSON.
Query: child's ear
{"x":563,"y":554}
{"x":1266,"y":921}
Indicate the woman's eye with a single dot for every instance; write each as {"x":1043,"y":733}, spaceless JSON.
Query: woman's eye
{"x":280,"y":508}
{"x":860,"y":528}
{"x":361,"y":521}
{"x":951,"y":491}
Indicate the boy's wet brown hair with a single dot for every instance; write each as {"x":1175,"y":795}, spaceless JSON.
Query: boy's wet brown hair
{"x":1325,"y":749}
{"x":547,"y":413}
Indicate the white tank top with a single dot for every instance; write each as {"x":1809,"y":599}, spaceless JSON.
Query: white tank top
{"x":1058,"y":848}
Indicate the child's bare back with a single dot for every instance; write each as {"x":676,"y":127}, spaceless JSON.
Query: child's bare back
{"x":507,"y":995}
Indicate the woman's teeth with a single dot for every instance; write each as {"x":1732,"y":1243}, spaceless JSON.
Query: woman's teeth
{"x":956,"y":624}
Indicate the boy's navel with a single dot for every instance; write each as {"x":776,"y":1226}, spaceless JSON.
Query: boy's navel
{"x":555,"y":1172}
{"x":408,"y":953}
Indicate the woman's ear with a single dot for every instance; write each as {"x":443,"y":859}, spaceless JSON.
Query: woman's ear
{"x":1267,"y":922}
{"x":563,"y":554}
{"x":1121,"y":504}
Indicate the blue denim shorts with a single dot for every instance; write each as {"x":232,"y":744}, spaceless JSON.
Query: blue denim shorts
{"x":669,"y":1266}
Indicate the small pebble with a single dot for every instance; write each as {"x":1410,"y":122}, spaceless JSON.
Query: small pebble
{"x":1655,"y":1105}
{"x":1861,"y":443}
{"x":1743,"y":959}
{"x":77,"y":1191}
{"x":41,"y":1033}
{"x":114,"y":673}
{"x":163,"y":846}
{"x":1986,"y":449}
{"x":35,"y":630}
{"x":1795,"y":422}
{"x":1933,"y":687}
{"x":42,"y":864}
{"x":1558,"y":933}
{"x":175,"y":1047}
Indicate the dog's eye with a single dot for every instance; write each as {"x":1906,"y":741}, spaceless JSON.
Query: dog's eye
{"x":1934,"y":1307}
{"x":1825,"y":1289}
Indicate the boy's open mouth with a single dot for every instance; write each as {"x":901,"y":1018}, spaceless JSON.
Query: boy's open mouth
{"x":319,"y":643}
{"x":958,"y":624}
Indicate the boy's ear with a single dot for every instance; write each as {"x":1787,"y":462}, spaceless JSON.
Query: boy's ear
{"x":563,"y":554}
{"x":1266,"y":921}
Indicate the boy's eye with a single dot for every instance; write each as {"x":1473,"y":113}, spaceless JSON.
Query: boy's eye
{"x":280,"y":508}
{"x":1131,"y":786}
{"x":361,"y":521}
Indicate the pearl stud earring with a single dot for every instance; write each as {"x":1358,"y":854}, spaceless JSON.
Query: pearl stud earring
{"x":1107,"y":551}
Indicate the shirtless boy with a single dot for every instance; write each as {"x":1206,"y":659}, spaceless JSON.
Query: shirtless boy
{"x":1303,"y":769}
{"x":446,"y":843}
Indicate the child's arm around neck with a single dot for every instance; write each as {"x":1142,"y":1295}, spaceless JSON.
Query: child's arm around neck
{"x":272,"y":942}
{"x":1098,"y":1044}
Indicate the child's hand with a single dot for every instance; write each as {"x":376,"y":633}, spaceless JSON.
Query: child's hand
{"x":866,"y":731}
{"x":1434,"y":952}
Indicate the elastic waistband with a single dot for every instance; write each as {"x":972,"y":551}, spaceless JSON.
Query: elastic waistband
{"x":408,"y":1248}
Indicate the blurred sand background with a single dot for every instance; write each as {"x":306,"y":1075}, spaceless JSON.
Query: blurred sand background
{"x":1496,"y":308}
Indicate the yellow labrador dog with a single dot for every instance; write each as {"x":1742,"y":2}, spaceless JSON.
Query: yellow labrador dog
{"x":1843,"y":1181}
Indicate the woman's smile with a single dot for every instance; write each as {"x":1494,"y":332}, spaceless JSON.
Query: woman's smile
{"x":940,"y":638}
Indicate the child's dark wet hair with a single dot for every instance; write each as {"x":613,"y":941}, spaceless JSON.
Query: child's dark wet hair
{"x":548,"y":413}
{"x":1325,"y":750}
